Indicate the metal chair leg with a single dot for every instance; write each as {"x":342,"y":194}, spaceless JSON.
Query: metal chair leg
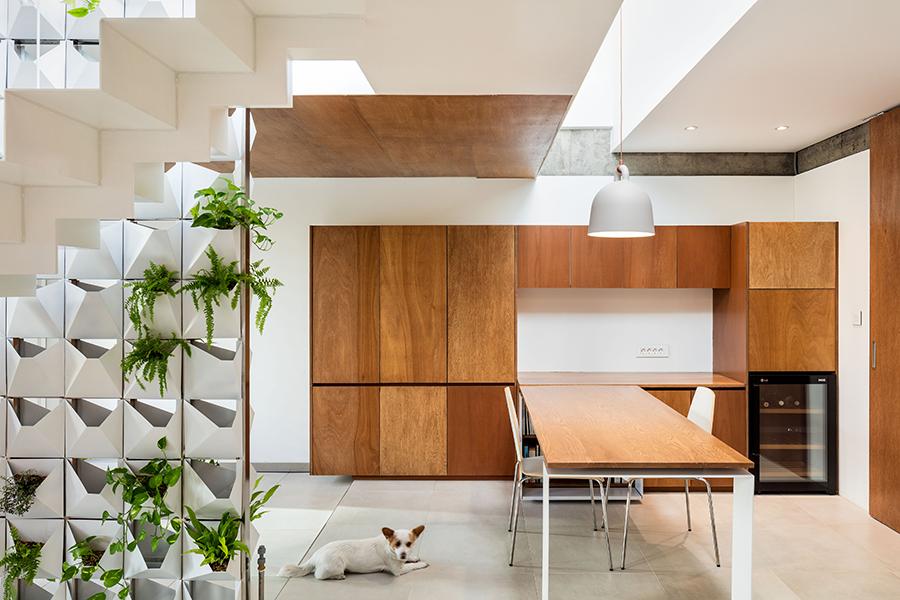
{"x":625,"y":532}
{"x":512,"y":502}
{"x":712,"y":520}
{"x":593,"y":505}
{"x":687,"y":501}
{"x":515,"y":527}
{"x":604,"y":495}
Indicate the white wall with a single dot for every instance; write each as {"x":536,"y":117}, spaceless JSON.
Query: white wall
{"x":840,"y":192}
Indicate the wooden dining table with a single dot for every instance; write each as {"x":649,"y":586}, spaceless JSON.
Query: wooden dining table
{"x":624,"y":432}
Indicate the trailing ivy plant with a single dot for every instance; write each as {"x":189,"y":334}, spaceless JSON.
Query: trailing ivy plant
{"x":86,"y":565}
{"x":230,"y":208}
{"x":222,"y":281}
{"x":217,"y":546}
{"x":158,"y":281}
{"x":149,"y":484}
{"x":81,"y":8}
{"x":21,"y":561}
{"x":149,"y":358}
{"x":17,"y":492}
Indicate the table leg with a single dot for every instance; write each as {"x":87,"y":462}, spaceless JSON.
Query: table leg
{"x":742,"y":538}
{"x":545,"y":537}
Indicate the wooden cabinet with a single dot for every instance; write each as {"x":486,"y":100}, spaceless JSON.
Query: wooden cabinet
{"x":597,"y":262}
{"x":650,"y":262}
{"x":344,"y":280}
{"x":413,"y":431}
{"x":344,"y":427}
{"x":680,"y":401}
{"x":624,"y":263}
{"x":413,"y":305}
{"x":479,"y":437}
{"x":793,"y":255}
{"x":704,"y":256}
{"x":481,"y":304}
{"x":792,"y":330}
{"x":544,"y":253}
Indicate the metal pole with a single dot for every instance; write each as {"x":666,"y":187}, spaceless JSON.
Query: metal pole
{"x":261,"y":571}
{"x":245,"y":347}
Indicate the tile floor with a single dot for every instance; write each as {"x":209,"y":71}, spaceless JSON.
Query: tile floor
{"x":804,"y":547}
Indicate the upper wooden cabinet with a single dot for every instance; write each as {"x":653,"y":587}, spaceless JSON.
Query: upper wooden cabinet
{"x":704,"y":256}
{"x":793,"y":255}
{"x":792,"y":330}
{"x":597,"y":262}
{"x":544,"y":256}
{"x":345,"y":427}
{"x":344,"y":277}
{"x":650,"y":262}
{"x":413,"y":304}
{"x":481,"y":304}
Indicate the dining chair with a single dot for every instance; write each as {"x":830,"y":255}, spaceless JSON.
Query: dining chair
{"x":701,"y":413}
{"x":530,"y":468}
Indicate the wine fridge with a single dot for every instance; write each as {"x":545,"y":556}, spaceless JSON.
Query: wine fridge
{"x":793,"y":432}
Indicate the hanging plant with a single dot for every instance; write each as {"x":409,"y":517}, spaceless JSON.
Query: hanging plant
{"x":158,"y":281}
{"x":222,"y":281}
{"x":21,"y":561}
{"x":17,"y":492}
{"x":230,"y":208}
{"x":150,"y":483}
{"x":149,"y":358}
{"x":86,"y":565}
{"x":86,"y":7}
{"x":217,"y":546}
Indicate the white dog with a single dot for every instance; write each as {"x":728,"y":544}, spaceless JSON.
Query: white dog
{"x":391,"y":552}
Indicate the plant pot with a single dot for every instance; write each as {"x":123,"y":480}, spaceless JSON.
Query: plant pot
{"x":146,"y":421}
{"x":93,"y":369}
{"x":93,"y":309}
{"x":40,"y":316}
{"x":227,"y":244}
{"x":48,"y":497}
{"x":197,"y":177}
{"x":172,"y":496}
{"x":151,"y":241}
{"x":102,"y":263}
{"x":82,"y":65}
{"x":43,"y":589}
{"x":154,"y":8}
{"x":87,"y":493}
{"x":151,"y":388}
{"x":34,"y":367}
{"x":152,"y":589}
{"x":146,"y":563}
{"x":201,"y":589}
{"x":166,"y":317}
{"x":227,"y":320}
{"x":94,"y":427}
{"x":213,"y":428}
{"x":193,"y":570}
{"x":35,"y":427}
{"x":214,"y":371}
{"x":50,"y":533}
{"x":212,"y":489}
{"x":24,"y":16}
{"x":32,"y":65}
{"x":88,"y":28}
{"x":158,"y":192}
{"x":104,"y":534}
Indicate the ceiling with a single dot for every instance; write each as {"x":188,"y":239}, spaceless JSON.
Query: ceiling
{"x":818,"y":66}
{"x":407,"y":136}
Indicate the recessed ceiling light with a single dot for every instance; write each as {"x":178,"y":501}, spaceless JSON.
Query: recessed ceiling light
{"x":691,"y":128}
{"x":782,"y":128}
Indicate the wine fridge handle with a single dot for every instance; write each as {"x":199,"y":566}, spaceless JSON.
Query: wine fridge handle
{"x":874,"y":353}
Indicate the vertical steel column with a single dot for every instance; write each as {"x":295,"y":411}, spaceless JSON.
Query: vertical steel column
{"x":246,"y":327}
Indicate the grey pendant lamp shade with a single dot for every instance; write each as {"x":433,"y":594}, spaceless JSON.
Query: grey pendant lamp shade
{"x":621,"y":210}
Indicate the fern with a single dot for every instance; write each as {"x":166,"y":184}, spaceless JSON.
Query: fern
{"x":149,"y":358}
{"x":260,"y":286}
{"x":20,"y":562}
{"x":230,"y":208}
{"x":158,"y":281}
{"x":86,"y":8}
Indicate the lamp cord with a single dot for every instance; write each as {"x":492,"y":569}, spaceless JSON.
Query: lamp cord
{"x":621,"y":87}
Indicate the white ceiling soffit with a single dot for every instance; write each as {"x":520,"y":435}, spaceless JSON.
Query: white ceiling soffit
{"x":328,"y":77}
{"x":817,"y":66}
{"x":307,"y":8}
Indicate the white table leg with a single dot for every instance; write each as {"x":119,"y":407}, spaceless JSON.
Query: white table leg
{"x":742,"y":538}
{"x":545,"y":537}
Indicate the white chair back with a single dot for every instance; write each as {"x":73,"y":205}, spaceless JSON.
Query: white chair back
{"x":514,"y":423}
{"x":703,"y":409}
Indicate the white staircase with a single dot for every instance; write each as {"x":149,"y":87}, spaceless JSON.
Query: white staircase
{"x":73,"y":156}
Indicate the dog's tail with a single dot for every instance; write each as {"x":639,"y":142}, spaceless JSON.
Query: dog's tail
{"x":296,"y":570}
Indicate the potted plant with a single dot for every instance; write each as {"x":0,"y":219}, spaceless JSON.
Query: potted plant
{"x":149,"y":358}
{"x":159,"y":281}
{"x":86,"y":565}
{"x":218,"y":545}
{"x":230,"y":208}
{"x":17,"y":492}
{"x":21,"y":561}
{"x":222,"y":281}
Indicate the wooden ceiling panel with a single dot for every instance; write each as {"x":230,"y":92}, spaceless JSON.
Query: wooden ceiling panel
{"x":407,"y":136}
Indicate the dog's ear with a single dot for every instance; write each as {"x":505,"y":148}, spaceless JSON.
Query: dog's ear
{"x":387,"y":532}
{"x":418,"y":530}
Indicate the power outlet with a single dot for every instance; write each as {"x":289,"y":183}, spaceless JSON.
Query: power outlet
{"x":653,"y":351}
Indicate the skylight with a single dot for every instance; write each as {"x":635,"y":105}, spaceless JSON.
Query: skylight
{"x":328,"y":77}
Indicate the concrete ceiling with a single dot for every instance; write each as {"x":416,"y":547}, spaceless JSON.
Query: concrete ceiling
{"x":818,"y":66}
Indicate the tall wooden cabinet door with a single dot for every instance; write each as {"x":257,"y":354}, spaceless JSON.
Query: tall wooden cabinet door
{"x":413,"y":431}
{"x":793,"y":255}
{"x":544,"y":256}
{"x":345,"y":430}
{"x":597,"y":262}
{"x":413,"y":296}
{"x":792,"y":330}
{"x":481,"y":304}
{"x":680,"y":400}
{"x":650,"y":262}
{"x":479,"y":437}
{"x":344,"y":281}
{"x":704,"y":256}
{"x":884,"y":377}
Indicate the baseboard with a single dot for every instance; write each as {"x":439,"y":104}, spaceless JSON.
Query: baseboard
{"x":281,"y":467}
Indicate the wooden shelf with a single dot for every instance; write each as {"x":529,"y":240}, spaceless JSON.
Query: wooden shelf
{"x":791,"y":447}
{"x":686,"y":380}
{"x":791,"y":411}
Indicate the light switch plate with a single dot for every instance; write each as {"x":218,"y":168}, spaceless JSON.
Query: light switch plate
{"x":653,"y":351}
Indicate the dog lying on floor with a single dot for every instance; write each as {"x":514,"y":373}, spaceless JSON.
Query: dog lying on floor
{"x":391,"y":552}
